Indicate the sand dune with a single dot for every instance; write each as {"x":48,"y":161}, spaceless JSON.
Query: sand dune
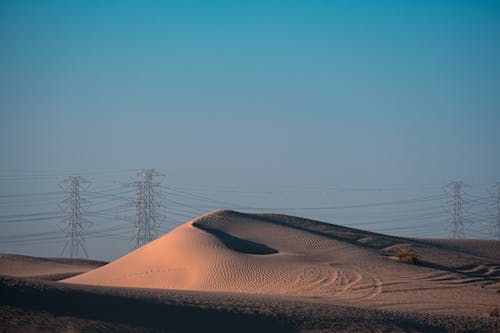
{"x":271,"y":254}
{"x":44,"y":268}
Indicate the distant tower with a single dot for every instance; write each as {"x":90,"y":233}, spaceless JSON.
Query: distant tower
{"x":456,"y":223}
{"x":146,"y":204}
{"x":75,"y":225}
{"x":496,"y":198}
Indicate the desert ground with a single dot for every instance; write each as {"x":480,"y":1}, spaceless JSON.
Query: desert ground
{"x":231,"y":271}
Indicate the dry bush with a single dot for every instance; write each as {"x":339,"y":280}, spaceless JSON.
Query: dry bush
{"x":407,"y":255}
{"x":494,"y":312}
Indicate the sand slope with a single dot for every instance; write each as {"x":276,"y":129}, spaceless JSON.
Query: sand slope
{"x":44,"y":306}
{"x":271,"y":254}
{"x":44,"y":268}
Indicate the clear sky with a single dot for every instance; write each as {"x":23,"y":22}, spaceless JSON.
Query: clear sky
{"x":306,"y":93}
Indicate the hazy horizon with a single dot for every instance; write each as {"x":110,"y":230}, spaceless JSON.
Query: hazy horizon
{"x":248,"y":106}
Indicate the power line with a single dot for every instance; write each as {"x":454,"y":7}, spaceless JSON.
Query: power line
{"x":75,"y":224}
{"x":146,"y":203}
{"x":198,"y":197}
{"x":467,"y":213}
{"x":456,"y":210}
{"x":20,"y":195}
{"x":26,"y":176}
{"x":496,"y":221}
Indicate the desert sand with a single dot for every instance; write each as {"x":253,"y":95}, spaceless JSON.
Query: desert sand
{"x":45,"y":268}
{"x":227,"y":270}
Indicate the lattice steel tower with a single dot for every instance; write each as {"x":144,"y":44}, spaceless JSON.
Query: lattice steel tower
{"x":75,"y":225}
{"x":146,"y":203}
{"x":456,"y":223}
{"x":496,"y":198}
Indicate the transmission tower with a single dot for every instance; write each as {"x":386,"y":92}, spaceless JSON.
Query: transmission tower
{"x":496,"y":203}
{"x":456,"y":209}
{"x":75,"y":225}
{"x":146,"y":204}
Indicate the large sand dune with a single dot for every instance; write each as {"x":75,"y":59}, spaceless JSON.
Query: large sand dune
{"x":271,"y":254}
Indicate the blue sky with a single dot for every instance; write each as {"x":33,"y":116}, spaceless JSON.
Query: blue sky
{"x":370,"y":91}
{"x":309,"y":93}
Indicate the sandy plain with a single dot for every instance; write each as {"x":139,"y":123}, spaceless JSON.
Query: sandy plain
{"x":231,"y":271}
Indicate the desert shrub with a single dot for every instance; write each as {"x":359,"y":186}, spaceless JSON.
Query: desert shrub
{"x":494,"y":312}
{"x":407,"y":255}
